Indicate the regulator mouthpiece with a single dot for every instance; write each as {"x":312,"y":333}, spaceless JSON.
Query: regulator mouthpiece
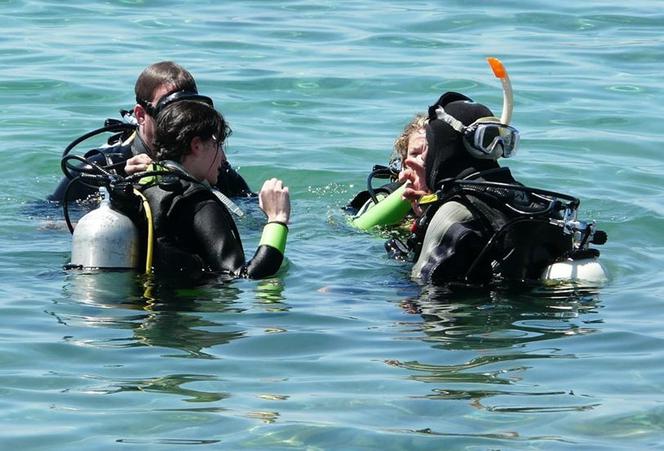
{"x":508,"y":98}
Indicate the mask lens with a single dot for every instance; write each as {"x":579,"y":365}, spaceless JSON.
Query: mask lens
{"x":511,"y":143}
{"x":487,"y":136}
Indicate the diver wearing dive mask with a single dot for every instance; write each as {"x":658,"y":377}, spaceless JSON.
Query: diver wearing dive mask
{"x":130,"y":151}
{"x":478,"y":224}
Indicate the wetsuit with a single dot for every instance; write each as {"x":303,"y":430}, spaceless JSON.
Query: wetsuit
{"x":193,"y":231}
{"x":230,"y":183}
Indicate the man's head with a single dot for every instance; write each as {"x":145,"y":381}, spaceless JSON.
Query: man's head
{"x":152,"y":84}
{"x":192,"y":133}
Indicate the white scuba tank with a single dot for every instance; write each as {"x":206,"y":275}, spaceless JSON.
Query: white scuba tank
{"x":105,"y":238}
{"x":584,"y":270}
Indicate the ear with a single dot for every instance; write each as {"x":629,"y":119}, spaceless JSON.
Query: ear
{"x":139,"y":114}
{"x":197,"y":146}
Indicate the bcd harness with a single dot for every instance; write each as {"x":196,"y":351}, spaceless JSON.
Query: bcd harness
{"x":521,"y":229}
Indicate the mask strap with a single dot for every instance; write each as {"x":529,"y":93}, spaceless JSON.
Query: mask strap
{"x":450,"y":120}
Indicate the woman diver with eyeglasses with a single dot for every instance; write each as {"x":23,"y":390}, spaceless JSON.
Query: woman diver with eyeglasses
{"x":131,"y":149}
{"x":194,"y":232}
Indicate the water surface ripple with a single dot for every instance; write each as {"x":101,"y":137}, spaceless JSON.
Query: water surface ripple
{"x":341,"y":349}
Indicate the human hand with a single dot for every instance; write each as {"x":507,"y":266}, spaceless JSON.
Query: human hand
{"x":414,"y":175}
{"x":274,"y":200}
{"x":137,"y":163}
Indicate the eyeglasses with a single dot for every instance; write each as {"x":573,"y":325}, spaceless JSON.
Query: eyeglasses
{"x":154,"y":110}
{"x":486,"y":138}
{"x":220,"y":144}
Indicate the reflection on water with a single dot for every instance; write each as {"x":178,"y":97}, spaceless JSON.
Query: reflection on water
{"x":160,"y":315}
{"x":171,"y":384}
{"x":168,"y":317}
{"x":497,"y":320}
{"x":171,"y":442}
{"x":269,"y":293}
{"x":183,"y":331}
{"x":497,"y":336}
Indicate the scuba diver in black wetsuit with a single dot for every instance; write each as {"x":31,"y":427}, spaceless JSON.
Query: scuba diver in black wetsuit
{"x":481,"y":226}
{"x":477,"y":225}
{"x":193,"y":230}
{"x":131,"y":149}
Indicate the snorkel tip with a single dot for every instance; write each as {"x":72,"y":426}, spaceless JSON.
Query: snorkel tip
{"x":497,"y":67}
{"x":500,"y":72}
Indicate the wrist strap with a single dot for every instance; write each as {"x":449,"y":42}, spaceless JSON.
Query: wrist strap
{"x":274,"y":235}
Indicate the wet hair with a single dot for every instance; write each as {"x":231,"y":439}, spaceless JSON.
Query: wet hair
{"x":401,"y":143}
{"x":180,"y":122}
{"x":160,"y":74}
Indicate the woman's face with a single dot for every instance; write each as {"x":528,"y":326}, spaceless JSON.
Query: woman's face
{"x":413,"y":165}
{"x":417,"y":144}
{"x":204,"y":160}
{"x":414,"y":172}
{"x":217,"y":156}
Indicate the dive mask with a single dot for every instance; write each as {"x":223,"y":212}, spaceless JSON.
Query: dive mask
{"x":486,"y":138}
{"x":164,"y":101}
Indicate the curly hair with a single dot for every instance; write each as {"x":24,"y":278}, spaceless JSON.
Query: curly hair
{"x":180,"y":122}
{"x":401,"y":143}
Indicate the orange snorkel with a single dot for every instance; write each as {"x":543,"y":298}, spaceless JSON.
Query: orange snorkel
{"x":508,"y":98}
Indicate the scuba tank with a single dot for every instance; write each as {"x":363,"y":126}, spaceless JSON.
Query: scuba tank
{"x":586,"y":270}
{"x":582,"y":265}
{"x":105,"y":238}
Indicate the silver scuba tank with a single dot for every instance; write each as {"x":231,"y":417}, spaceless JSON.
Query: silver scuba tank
{"x":586,"y":269}
{"x":105,"y":238}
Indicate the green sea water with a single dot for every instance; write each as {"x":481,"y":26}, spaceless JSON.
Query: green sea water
{"x":341,"y":350}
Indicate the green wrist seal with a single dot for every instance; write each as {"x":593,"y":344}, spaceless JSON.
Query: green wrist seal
{"x":274,"y":235}
{"x":388,"y":211}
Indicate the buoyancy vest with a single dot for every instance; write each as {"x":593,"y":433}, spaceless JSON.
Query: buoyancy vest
{"x":503,"y":232}
{"x":168,"y":196}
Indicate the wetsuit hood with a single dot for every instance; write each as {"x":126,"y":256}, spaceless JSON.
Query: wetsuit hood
{"x":447,"y":156}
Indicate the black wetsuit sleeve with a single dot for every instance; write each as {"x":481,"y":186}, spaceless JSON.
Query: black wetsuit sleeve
{"x":231,"y":183}
{"x":219,"y":244}
{"x":265,"y":262}
{"x":78,"y":190}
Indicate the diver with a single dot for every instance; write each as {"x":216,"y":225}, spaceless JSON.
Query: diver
{"x":132,"y":149}
{"x":480,"y":226}
{"x":476,"y":224}
{"x":193,"y":230}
